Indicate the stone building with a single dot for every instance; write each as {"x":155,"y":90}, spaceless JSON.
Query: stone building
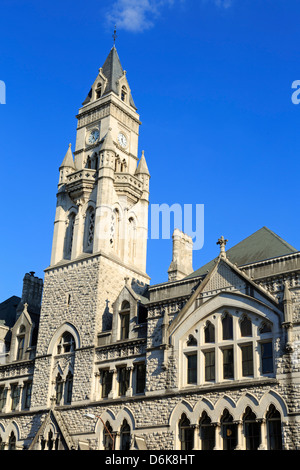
{"x":95,"y":357}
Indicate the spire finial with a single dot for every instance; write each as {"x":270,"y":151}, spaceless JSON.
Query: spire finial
{"x":115,"y":35}
{"x":222,"y":242}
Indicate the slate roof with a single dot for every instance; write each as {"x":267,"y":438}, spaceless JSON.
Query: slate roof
{"x":261,"y":245}
{"x":113,"y":71}
{"x":8,"y":311}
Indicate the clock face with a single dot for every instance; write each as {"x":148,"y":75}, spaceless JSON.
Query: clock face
{"x":122,"y":140}
{"x":93,"y":137}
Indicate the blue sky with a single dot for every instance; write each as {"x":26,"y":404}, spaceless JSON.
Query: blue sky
{"x":212,"y":82}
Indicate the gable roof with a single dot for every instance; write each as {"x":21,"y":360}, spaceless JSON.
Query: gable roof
{"x":261,"y":245}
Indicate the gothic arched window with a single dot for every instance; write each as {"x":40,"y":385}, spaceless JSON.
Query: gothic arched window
{"x":229,"y":431}
{"x":89,"y":230}
{"x":125,"y":438}
{"x":186,"y":434}
{"x":123,"y":93}
{"x":12,"y":441}
{"x":21,"y":342}
{"x":251,"y":430}
{"x":246,"y":327}
{"x":227,"y":327}
{"x":98,"y":90}
{"x":108,"y":440}
{"x":131,"y":239}
{"x":69,"y":236}
{"x":59,"y":386}
{"x":209,"y":333}
{"x":69,"y":387}
{"x":66,"y":343}
{"x":124,"y":320}
{"x":207,"y":432}
{"x":274,"y":429}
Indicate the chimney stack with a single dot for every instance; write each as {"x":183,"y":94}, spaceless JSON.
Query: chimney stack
{"x":182,"y":261}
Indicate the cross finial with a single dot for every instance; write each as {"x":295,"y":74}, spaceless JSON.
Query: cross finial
{"x":115,"y":35}
{"x":222,"y":242}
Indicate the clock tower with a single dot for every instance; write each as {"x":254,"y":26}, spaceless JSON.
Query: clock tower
{"x":104,"y":191}
{"x":100,"y":231}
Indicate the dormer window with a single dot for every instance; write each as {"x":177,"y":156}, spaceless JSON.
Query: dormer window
{"x":98,"y":91}
{"x":124,"y":320}
{"x":123,"y":93}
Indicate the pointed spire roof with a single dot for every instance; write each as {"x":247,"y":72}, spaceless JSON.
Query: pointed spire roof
{"x":68,"y":161}
{"x":113,"y":71}
{"x":142,"y":167}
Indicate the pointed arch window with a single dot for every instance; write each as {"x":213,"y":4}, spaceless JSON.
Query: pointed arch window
{"x":89,"y":230}
{"x":131,"y":239}
{"x":69,"y":387}
{"x":209,"y":333}
{"x":69,"y":236}
{"x":66,"y":343}
{"x":124,"y":320}
{"x":108,"y":442}
{"x":229,"y":431}
{"x":12,"y":441}
{"x":115,"y":230}
{"x":186,"y":433}
{"x":246,"y":326}
{"x":125,"y":437}
{"x":227,"y":327}
{"x":207,"y":432}
{"x":251,"y":430}
{"x":274,"y":429}
{"x":123,"y":93}
{"x":59,"y":386}
{"x":21,"y":342}
{"x":98,"y":90}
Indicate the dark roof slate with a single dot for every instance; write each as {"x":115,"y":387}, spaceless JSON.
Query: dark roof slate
{"x":261,"y":245}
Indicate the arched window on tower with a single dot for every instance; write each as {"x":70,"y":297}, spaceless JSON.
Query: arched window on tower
{"x":69,"y":236}
{"x":98,"y":90}
{"x":89,"y":230}
{"x":66,"y":343}
{"x":131,"y":239}
{"x":69,"y":387}
{"x":123,"y":93}
{"x":59,"y":386}
{"x":115,"y":231}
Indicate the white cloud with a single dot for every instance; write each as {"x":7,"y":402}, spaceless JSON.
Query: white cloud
{"x":139,"y":15}
{"x":136,"y":15}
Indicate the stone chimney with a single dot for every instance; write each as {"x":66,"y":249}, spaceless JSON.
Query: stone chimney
{"x":182,"y":261}
{"x":31,"y":293}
